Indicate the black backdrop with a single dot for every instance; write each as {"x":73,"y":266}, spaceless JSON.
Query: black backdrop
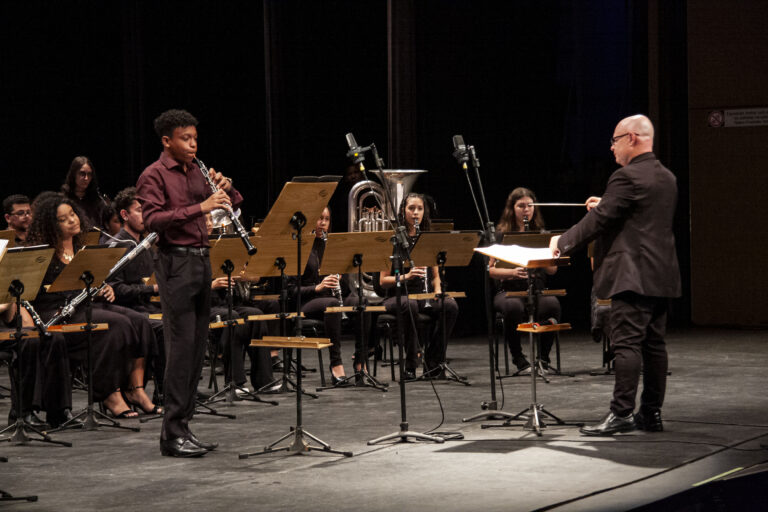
{"x":536,"y":87}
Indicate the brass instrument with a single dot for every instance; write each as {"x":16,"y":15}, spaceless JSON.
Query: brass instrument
{"x":367,"y":211}
{"x":227,"y":212}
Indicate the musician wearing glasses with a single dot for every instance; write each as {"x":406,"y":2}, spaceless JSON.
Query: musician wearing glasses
{"x":521,"y":215}
{"x":81,"y":186}
{"x":415,"y":216}
{"x":635,"y":265}
{"x":119,"y":353}
{"x":175,"y":196}
{"x":18,"y":215}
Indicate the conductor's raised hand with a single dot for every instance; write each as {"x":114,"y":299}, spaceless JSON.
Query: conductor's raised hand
{"x":592,"y":202}
{"x":219,"y":179}
{"x":217,"y":200}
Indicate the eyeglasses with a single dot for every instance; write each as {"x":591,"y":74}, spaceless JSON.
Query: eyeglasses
{"x":614,"y":139}
{"x":22,"y":213}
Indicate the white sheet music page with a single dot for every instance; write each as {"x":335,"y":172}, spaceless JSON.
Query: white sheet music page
{"x":516,"y":254}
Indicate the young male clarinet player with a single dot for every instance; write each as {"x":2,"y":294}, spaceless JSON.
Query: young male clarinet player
{"x":175,"y":196}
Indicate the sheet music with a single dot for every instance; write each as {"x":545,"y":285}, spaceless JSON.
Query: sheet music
{"x":516,"y":254}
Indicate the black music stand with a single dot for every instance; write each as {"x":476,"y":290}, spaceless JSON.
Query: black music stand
{"x":311,"y":198}
{"x":530,"y":259}
{"x":344,"y":254}
{"x":89,"y":265}
{"x":433,"y":246}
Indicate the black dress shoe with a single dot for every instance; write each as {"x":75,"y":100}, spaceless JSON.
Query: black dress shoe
{"x":180,"y":447}
{"x":57,"y":419}
{"x":610,"y":425}
{"x":409,"y":375}
{"x":202,"y":444}
{"x":273,"y":389}
{"x":649,"y":421}
{"x":277,"y":364}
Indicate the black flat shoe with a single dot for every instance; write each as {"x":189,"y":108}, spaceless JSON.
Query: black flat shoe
{"x":649,"y":421}
{"x":274,"y":389}
{"x":409,"y":375}
{"x":57,"y":419}
{"x":611,"y":424}
{"x":180,"y":447}
{"x":202,"y":444}
{"x":30,"y":418}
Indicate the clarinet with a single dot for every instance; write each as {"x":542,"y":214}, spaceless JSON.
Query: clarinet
{"x":69,"y":308}
{"x":231,"y":214}
{"x":39,"y":324}
{"x":526,"y":223}
{"x":427,"y":302}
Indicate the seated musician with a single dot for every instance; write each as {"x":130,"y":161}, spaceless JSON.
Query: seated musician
{"x":321,"y":292}
{"x":131,"y":290}
{"x":45,"y":378}
{"x":415,"y":216}
{"x":119,"y":353}
{"x":520,"y":215}
{"x":81,"y":186}
{"x":18,"y":215}
{"x":235,"y":349}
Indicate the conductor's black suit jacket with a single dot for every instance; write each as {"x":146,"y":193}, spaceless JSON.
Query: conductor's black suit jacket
{"x":632,"y":229}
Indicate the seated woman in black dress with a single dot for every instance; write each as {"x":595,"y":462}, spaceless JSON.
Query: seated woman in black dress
{"x":118,"y":353}
{"x":414,"y":214}
{"x":317,"y":294}
{"x":520,"y":215}
{"x":82,"y":188}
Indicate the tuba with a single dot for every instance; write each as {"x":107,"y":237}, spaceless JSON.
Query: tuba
{"x":368,"y":211}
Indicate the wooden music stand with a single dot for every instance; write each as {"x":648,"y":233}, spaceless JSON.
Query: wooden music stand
{"x":95,"y":260}
{"x":10,"y":235}
{"x":432,"y":248}
{"x":530,"y":258}
{"x":288,"y":218}
{"x":92,"y":237}
{"x":346,"y":253}
{"x":21,"y":272}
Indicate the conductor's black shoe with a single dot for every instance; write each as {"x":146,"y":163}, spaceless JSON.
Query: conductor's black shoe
{"x":180,"y":447}
{"x":649,"y":420}
{"x":610,"y":425}
{"x":202,"y":444}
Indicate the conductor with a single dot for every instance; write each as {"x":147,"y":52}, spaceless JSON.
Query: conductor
{"x":636,"y":267}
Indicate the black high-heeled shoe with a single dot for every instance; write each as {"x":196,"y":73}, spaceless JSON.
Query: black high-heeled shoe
{"x":155,"y":410}
{"x":334,"y":379}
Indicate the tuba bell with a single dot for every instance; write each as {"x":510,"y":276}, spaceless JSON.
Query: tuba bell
{"x":368,"y":211}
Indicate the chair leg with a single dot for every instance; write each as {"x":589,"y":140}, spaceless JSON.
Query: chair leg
{"x":557,"y":350}
{"x":322,"y":371}
{"x":391,"y":351}
{"x":506,"y":347}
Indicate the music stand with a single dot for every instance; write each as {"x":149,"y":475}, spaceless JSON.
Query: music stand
{"x":16,"y":268}
{"x":10,"y":235}
{"x":432,"y":249}
{"x":300,"y":199}
{"x":530,"y":259}
{"x":228,"y":257}
{"x":346,"y":253}
{"x":90,"y":265}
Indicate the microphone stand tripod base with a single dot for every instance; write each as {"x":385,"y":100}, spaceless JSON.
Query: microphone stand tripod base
{"x":404,"y":434}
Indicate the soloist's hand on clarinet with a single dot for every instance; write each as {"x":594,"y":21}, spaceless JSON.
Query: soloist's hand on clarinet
{"x":220,"y":180}
{"x":220,"y":199}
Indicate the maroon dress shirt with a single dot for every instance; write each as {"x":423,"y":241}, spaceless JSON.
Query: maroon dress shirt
{"x":170,"y":201}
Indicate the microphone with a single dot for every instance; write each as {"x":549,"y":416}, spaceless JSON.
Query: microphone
{"x":116,"y":240}
{"x":355,"y":152}
{"x":460,"y":151}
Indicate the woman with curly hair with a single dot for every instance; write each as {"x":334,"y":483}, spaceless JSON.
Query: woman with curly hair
{"x":118,"y":353}
{"x":82,"y":188}
{"x":520,"y":215}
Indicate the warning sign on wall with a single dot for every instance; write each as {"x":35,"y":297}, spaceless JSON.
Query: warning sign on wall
{"x":738,"y":117}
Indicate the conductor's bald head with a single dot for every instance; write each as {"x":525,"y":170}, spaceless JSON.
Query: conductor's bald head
{"x":633,"y":136}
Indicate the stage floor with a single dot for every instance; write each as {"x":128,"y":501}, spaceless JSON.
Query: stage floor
{"x":715,"y":419}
